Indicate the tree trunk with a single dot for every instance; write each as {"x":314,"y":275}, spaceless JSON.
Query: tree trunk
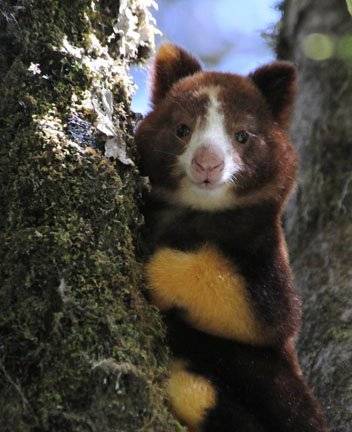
{"x":80,"y":350}
{"x":319,"y":222}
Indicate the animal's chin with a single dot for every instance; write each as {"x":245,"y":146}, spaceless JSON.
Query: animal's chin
{"x":207,"y":185}
{"x":204,"y":195}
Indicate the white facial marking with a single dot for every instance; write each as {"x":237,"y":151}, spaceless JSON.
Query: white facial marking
{"x":214,"y":136}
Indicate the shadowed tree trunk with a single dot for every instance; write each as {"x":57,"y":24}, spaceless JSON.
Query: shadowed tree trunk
{"x":80,"y":350}
{"x":317,"y":36}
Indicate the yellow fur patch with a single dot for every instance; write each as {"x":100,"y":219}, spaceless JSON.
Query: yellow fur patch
{"x":206,"y":285}
{"x":167,"y":53}
{"x":190,"y":395}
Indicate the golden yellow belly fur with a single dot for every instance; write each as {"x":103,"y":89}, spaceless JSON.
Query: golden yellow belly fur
{"x":190,"y":395}
{"x":206,"y":285}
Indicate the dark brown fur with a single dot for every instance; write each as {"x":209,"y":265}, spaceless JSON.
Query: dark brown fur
{"x":259,"y":388}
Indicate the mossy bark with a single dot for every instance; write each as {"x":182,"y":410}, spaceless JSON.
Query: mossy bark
{"x":80,"y":349}
{"x":319,"y":222}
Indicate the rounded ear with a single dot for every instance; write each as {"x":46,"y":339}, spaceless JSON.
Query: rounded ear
{"x":171,"y":63}
{"x":278,"y":83}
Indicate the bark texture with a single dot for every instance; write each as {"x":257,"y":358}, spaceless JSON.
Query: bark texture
{"x":80,"y":350}
{"x":319,"y":221}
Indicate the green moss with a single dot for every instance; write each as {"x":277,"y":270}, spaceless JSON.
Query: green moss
{"x":80,"y":349}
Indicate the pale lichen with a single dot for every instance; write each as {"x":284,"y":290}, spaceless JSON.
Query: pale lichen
{"x":135,"y":26}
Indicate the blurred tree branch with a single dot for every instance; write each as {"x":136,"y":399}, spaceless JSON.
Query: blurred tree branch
{"x":349,"y":6}
{"x":319,"y":222}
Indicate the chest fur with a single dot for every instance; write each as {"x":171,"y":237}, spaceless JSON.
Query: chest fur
{"x":209,"y":289}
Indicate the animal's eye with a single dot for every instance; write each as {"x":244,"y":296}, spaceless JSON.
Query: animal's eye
{"x":182,"y":130}
{"x":242,"y":136}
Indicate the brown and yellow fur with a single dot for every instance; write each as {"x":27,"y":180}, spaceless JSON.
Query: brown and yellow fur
{"x":218,"y":267}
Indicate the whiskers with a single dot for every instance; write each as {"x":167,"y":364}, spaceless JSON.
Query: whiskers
{"x":233,"y":179}
{"x":165,"y":152}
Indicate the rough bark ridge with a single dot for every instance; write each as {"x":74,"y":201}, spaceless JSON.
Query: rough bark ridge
{"x":80,"y":350}
{"x":319,"y":221}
